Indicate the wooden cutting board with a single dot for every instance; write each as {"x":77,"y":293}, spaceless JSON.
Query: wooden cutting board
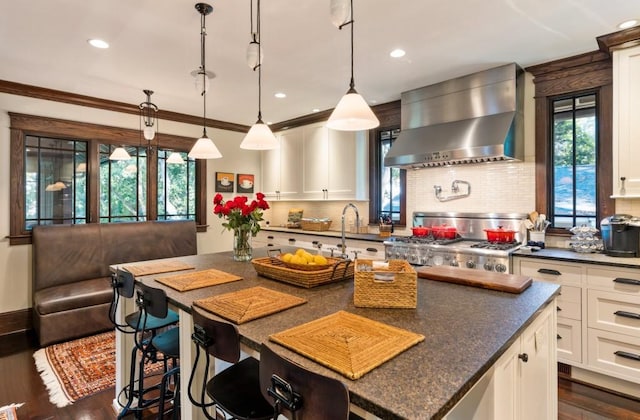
{"x":503,"y":282}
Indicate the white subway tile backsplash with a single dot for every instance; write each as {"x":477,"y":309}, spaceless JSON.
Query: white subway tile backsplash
{"x":496,"y":187}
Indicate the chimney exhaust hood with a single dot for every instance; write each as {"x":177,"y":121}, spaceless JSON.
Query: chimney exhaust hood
{"x":470,"y":119}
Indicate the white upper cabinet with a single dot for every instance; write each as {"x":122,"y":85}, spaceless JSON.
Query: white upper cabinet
{"x":626,"y":123}
{"x":315,"y":163}
{"x":329,"y":163}
{"x":281,"y":167}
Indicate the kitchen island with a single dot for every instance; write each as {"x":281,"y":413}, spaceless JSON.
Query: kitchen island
{"x":466,"y":331}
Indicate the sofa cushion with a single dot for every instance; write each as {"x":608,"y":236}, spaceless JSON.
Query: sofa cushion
{"x":72,"y":296}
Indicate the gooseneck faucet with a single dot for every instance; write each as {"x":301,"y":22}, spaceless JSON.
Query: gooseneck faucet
{"x":344,"y":210}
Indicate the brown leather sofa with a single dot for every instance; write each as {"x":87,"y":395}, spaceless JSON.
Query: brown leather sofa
{"x":71,"y":279}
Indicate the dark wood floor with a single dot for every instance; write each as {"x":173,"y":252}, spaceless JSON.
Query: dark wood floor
{"x":20,"y":383}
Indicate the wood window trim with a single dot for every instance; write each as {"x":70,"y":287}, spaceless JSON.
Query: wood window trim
{"x":23,"y":125}
{"x":389,"y":116}
{"x":585,"y":72}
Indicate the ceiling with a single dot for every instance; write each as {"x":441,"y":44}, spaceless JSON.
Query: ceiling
{"x":155,"y":44}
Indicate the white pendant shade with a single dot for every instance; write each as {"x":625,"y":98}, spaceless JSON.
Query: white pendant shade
{"x":204,"y":149}
{"x":259,"y":137}
{"x":149,"y":132}
{"x":176,"y":158}
{"x":252,"y":55}
{"x":119,"y":154}
{"x":340,"y":11}
{"x":352,"y":114}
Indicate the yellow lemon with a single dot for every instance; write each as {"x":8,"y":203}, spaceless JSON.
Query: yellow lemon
{"x":308,"y":257}
{"x":320,"y":260}
{"x":300,"y":251}
{"x":287,"y":257}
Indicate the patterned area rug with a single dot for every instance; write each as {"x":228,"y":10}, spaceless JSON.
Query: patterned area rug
{"x":79,"y":368}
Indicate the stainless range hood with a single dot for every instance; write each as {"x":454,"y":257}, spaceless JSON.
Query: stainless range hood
{"x":471,"y":119}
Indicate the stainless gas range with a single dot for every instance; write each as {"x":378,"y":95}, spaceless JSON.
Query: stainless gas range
{"x":469,"y":248}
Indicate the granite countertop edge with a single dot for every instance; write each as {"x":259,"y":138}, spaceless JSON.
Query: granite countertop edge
{"x":562,"y":254}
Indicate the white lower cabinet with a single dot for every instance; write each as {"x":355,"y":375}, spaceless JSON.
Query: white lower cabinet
{"x":598,"y":314}
{"x":523,"y":382}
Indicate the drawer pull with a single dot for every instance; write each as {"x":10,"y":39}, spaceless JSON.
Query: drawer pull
{"x":558,"y":309}
{"x":627,"y":355}
{"x":292,"y":239}
{"x":372,"y":250}
{"x":558,"y":337}
{"x":627,"y":281}
{"x":549,"y":271}
{"x":270,"y":237}
{"x":626,"y":314}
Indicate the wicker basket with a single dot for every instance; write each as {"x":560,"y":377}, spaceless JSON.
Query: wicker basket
{"x":382,"y":287}
{"x":274,"y":268}
{"x":316,"y":225}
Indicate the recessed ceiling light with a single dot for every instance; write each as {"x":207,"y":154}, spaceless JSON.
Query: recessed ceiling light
{"x":269,"y":122}
{"x":628,"y":24}
{"x":397,"y":53}
{"x":98,"y":43}
{"x":315,"y":110}
{"x":280,"y":95}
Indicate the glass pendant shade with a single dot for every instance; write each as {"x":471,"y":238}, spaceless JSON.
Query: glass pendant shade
{"x":149,"y":132}
{"x":201,"y":79}
{"x":119,"y":153}
{"x":204,"y":149}
{"x":176,"y":158}
{"x":340,"y":11}
{"x":259,"y":137}
{"x":252,"y":54}
{"x":352,"y":114}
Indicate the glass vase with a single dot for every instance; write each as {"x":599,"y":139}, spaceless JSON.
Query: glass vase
{"x":242,"y":244}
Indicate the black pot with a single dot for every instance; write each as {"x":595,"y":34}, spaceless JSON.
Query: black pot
{"x":621,"y":236}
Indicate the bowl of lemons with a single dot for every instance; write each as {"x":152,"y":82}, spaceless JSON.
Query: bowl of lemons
{"x":304,"y":260}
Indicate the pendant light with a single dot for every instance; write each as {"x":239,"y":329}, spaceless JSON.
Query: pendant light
{"x":259,"y":136}
{"x":119,"y":153}
{"x":204,"y":147}
{"x":148,"y":116}
{"x":352,"y":112}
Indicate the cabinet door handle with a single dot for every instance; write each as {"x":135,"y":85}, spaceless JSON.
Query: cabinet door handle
{"x":549,"y":271}
{"x":626,"y":314}
{"x":558,"y":337}
{"x":558,"y":309}
{"x":627,"y":281}
{"x":524,"y":357}
{"x":627,"y":355}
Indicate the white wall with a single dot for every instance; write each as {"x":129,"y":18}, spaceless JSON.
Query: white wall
{"x":15,"y":261}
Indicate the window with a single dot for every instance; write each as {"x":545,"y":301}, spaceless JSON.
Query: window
{"x":176,"y":192}
{"x":387,"y":186}
{"x":123,"y":185}
{"x":55,"y":181}
{"x":574,"y":103}
{"x":390,"y":186}
{"x":574,"y":160}
{"x":61,"y":174}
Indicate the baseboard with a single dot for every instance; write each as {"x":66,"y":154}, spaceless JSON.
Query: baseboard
{"x":15,"y":322}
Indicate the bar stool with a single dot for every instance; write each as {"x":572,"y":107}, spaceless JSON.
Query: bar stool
{"x":152,"y":344}
{"x":236,"y":390}
{"x":299,"y":393}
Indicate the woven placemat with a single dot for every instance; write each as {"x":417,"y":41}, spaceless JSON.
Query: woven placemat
{"x":197,"y":279}
{"x":349,"y":344}
{"x":249,"y":304}
{"x":156,"y":267}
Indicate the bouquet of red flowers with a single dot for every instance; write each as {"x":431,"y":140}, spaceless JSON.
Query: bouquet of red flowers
{"x":239,"y":213}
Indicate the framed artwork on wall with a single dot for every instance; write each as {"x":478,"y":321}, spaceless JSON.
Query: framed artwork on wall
{"x":245,"y":183}
{"x":224,"y":182}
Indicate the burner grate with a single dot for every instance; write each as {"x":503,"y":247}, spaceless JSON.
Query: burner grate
{"x":502,"y":246}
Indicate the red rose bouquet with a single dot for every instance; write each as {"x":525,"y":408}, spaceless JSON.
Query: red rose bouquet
{"x":239,"y":213}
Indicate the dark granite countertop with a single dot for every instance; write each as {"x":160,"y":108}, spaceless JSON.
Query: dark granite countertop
{"x":466,"y":330}
{"x":561,"y":254}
